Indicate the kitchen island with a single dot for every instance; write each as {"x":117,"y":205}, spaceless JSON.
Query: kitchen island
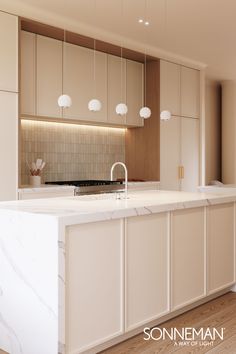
{"x":78,"y":274}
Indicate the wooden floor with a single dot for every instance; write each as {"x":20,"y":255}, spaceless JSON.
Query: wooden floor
{"x":219,"y":313}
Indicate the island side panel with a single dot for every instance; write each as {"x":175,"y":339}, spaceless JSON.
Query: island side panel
{"x":28,"y":283}
{"x":94,"y":284}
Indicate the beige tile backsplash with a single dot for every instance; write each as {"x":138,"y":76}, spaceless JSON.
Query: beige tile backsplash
{"x":71,"y":151}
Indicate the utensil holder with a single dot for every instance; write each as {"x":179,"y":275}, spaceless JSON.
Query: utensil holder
{"x":35,"y":181}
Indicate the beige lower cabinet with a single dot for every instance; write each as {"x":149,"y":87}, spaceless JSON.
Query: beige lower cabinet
{"x":187,"y":257}
{"x":220,"y":246}
{"x":147,"y":269}
{"x":94,"y":284}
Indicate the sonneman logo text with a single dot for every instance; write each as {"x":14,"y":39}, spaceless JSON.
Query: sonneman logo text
{"x":185,"y":334}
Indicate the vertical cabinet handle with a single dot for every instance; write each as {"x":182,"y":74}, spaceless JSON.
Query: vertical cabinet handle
{"x":181,"y":172}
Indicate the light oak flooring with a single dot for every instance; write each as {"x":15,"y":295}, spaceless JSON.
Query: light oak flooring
{"x":219,"y":313}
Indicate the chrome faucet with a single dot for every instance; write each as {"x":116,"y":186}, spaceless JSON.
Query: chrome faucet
{"x":126,"y":176}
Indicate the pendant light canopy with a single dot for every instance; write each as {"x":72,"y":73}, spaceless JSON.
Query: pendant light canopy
{"x":165,"y":115}
{"x":64,"y":101}
{"x":94,"y":104}
{"x":121,"y":109}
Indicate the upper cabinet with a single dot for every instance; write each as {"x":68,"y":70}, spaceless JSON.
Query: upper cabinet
{"x":179,"y":90}
{"x":9,"y":52}
{"x":170,"y":87}
{"x":116,"y":88}
{"x":134,"y":92}
{"x":85,"y":78}
{"x":49,"y":76}
{"x":190,"y":92}
{"x":28,"y":74}
{"x":48,"y":70}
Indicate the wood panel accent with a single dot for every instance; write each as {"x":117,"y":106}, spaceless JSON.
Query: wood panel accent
{"x":142,"y":145}
{"x":81,"y":40}
{"x":216,"y":313}
{"x":42,"y":29}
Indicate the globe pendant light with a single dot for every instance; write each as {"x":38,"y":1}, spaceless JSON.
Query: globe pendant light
{"x":121,"y":108}
{"x":165,"y":115}
{"x":64,"y":101}
{"x":145,"y":112}
{"x":94,"y":104}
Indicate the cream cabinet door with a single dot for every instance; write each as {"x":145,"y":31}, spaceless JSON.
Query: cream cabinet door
{"x":94,"y":284}
{"x":187,"y":257}
{"x":170,"y":150}
{"x":147,"y":269}
{"x":116,"y":88}
{"x":135,"y":92}
{"x":85,"y":78}
{"x":190,"y":92}
{"x":220,"y":246}
{"x":49,"y":76}
{"x":8,"y":145}
{"x":170,"y":87}
{"x":190,"y":154}
{"x":28,"y":73}
{"x":9,"y":52}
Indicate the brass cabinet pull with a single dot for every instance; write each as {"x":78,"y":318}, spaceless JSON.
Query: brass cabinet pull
{"x":181,"y":172}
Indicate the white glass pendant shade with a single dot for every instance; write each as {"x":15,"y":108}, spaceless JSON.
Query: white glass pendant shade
{"x":95,"y":105}
{"x":64,"y":101}
{"x":165,"y":115}
{"x":145,"y":112}
{"x":121,"y":109}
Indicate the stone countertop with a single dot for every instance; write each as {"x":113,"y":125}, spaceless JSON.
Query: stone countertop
{"x":51,"y":188}
{"x":84,"y":209}
{"x":44,"y":188}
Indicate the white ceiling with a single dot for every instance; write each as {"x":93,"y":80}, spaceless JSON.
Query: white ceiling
{"x":201,"y":30}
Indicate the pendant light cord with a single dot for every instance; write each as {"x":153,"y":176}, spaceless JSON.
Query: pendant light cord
{"x":94,"y":66}
{"x":63,"y":59}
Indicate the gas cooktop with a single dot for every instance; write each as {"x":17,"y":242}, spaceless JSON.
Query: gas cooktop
{"x":91,"y":186}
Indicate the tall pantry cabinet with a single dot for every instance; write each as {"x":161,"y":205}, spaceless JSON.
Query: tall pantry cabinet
{"x":179,"y":137}
{"x":8,"y":106}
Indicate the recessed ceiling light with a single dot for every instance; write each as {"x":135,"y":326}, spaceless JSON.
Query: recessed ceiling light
{"x":146,"y":23}
{"x":140,"y":20}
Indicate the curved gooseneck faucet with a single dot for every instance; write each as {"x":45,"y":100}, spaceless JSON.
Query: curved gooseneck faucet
{"x":126,"y":176}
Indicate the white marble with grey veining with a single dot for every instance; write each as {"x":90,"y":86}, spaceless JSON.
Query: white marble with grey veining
{"x":32,"y":258}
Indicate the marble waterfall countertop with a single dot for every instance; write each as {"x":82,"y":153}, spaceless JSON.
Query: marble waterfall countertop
{"x":83,"y":209}
{"x":33,"y":264}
